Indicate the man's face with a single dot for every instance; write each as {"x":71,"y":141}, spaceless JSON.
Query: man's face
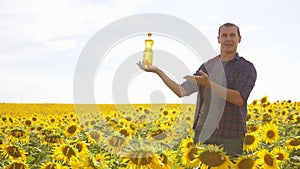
{"x":229,"y":39}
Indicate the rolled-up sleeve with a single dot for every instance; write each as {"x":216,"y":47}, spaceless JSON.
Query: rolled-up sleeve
{"x":246,"y":80}
{"x":190,"y":87}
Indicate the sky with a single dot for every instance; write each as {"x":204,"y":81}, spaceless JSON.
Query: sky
{"x":41,"y":42}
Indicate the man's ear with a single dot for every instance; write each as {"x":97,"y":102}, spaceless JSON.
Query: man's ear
{"x":219,"y":39}
{"x":240,"y":38}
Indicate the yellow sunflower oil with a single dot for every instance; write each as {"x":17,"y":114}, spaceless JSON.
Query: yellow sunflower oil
{"x":148,"y":53}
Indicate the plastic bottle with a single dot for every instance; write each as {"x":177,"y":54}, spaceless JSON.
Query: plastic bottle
{"x":148,"y":53}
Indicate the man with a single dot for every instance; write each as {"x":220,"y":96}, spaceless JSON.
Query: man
{"x":240,"y":76}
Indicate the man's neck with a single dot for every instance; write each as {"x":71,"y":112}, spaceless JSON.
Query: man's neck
{"x":227,"y":56}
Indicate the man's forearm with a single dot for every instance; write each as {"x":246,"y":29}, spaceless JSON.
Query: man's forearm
{"x":176,"y":88}
{"x":229,"y":95}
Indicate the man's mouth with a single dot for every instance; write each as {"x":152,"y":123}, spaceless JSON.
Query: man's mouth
{"x":228,"y":45}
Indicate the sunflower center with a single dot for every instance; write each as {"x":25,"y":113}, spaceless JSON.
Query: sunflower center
{"x":164,"y":158}
{"x":249,"y":139}
{"x":116,"y":141}
{"x":28,"y":123}
{"x":254,"y":102}
{"x":165,"y":113}
{"x":246,"y":163}
{"x":248,"y":117}
{"x":295,"y":142}
{"x":51,"y":166}
{"x":159,"y":134}
{"x":46,"y":132}
{"x":72,"y":129}
{"x":16,"y":166}
{"x":96,"y":136}
{"x":53,"y":139}
{"x":68,"y":152}
{"x":18,"y":133}
{"x":266,"y":118}
{"x":280,"y":156}
{"x":192,"y":153}
{"x":263,"y":100}
{"x":268,"y":159}
{"x":189,"y":144}
{"x":270,"y":134}
{"x":212,"y":159}
{"x":252,"y":128}
{"x":14,"y":151}
{"x":188,"y":118}
{"x":141,"y":157}
{"x":124,"y":132}
{"x":79,"y":147}
{"x":34,"y":119}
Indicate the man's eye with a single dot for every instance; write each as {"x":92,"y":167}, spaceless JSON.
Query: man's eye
{"x":233,"y":35}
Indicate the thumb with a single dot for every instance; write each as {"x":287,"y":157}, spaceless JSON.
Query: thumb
{"x":202,"y":73}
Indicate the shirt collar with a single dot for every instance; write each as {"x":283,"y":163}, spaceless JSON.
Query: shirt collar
{"x":237,"y":57}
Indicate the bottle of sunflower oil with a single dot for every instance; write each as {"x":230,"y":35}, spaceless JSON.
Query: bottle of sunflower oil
{"x":148,"y":53}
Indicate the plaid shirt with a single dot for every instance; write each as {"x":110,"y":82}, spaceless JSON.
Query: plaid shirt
{"x":240,"y":76}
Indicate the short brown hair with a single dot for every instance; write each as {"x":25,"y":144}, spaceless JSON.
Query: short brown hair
{"x":228,"y":25}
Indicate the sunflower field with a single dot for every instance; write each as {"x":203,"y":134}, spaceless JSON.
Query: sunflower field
{"x":141,"y":136}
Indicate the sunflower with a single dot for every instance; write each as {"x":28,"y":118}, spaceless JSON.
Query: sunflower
{"x":17,"y":165}
{"x":45,"y":131}
{"x":84,"y":161}
{"x":165,"y":113}
{"x":34,"y":117}
{"x":252,"y":128}
{"x":28,"y":123}
{"x":94,"y":136}
{"x":140,"y":159}
{"x":165,"y":160}
{"x":53,"y":120}
{"x":18,"y":135}
{"x":160,"y":135}
{"x":266,"y":118}
{"x":51,"y":165}
{"x":53,"y":139}
{"x":123,"y":122}
{"x":13,"y":152}
{"x":269,"y":133}
{"x":189,"y":157}
{"x":250,"y":142}
{"x":116,"y":143}
{"x":214,"y":158}
{"x":284,"y":112}
{"x":72,"y":114}
{"x":126,"y":132}
{"x":81,"y":147}
{"x":188,"y":118}
{"x":254,"y":102}
{"x":282,"y":155}
{"x":72,"y":129}
{"x":267,"y":160}
{"x":264,"y":100}
{"x":65,"y":152}
{"x":100,"y":160}
{"x":186,"y":143}
{"x":293,"y":143}
{"x":245,"y":162}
